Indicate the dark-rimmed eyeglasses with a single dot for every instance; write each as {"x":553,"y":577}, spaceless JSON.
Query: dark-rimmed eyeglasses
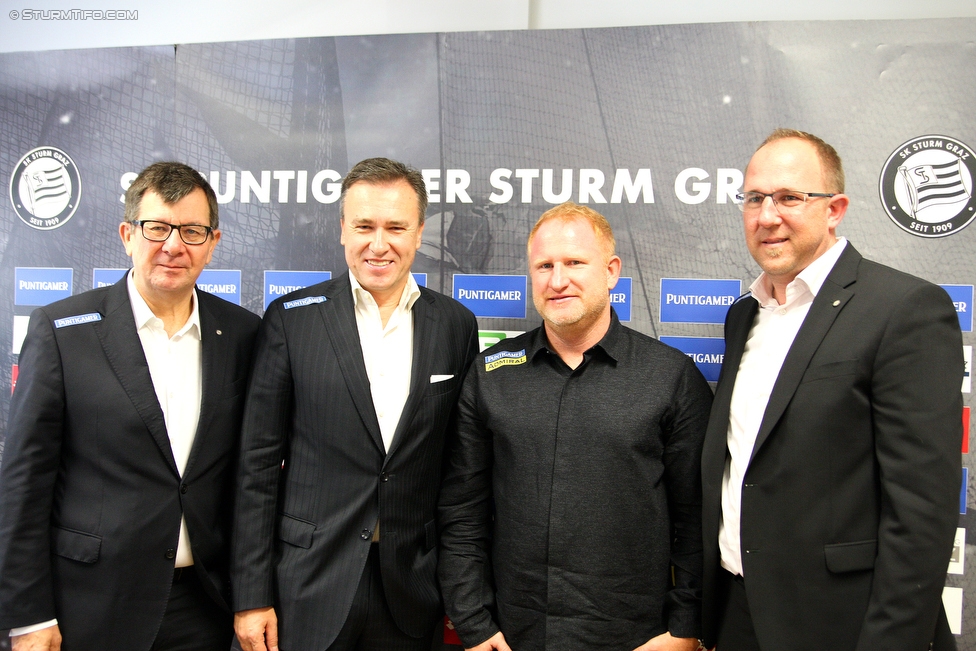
{"x":751,"y":202}
{"x":192,"y":234}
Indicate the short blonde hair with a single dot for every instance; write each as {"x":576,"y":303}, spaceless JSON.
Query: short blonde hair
{"x":569,"y":211}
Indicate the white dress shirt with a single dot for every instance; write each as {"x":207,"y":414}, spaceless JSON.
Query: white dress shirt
{"x":174,"y":365}
{"x":769,"y":341}
{"x":387,"y":352}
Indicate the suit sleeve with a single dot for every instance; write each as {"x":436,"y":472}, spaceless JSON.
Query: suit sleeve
{"x":31,"y":458}
{"x":264,"y":435}
{"x":917,"y":411}
{"x":464,"y":512}
{"x":682,"y":462}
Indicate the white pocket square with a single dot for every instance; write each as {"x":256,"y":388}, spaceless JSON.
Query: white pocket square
{"x":439,"y":378}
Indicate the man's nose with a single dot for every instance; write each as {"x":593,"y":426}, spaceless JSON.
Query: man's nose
{"x":769,"y":213}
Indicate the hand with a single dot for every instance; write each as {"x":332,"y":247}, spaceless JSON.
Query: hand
{"x":257,"y":629}
{"x":496,"y":642}
{"x":665,"y":642}
{"x":46,"y":639}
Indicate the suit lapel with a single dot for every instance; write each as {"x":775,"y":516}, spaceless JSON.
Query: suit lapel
{"x":735,"y":343}
{"x":213,"y":352}
{"x":741,"y":317}
{"x":123,"y":350}
{"x":339,"y":316}
{"x":830,"y":300}
{"x":425,"y":324}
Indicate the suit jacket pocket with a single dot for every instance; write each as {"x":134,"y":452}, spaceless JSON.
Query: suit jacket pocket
{"x":295,"y":532}
{"x":444,"y":386}
{"x":430,"y":535}
{"x":75,"y":545}
{"x":851,"y":556}
{"x":831,"y":369}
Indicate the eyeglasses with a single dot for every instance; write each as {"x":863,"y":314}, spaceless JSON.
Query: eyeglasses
{"x":751,"y":202}
{"x":159,"y":231}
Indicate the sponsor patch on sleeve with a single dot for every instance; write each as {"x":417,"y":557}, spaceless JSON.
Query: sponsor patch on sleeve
{"x":301,"y":302}
{"x":77,"y":320}
{"x":504,"y":358}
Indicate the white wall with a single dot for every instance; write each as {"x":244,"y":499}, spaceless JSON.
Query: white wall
{"x":166,"y":22}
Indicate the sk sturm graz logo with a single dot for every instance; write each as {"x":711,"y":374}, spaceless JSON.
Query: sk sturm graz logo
{"x":45,"y":188}
{"x":927,"y":186}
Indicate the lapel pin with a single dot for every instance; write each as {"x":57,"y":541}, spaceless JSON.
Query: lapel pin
{"x":836,"y":303}
{"x":220,"y":333}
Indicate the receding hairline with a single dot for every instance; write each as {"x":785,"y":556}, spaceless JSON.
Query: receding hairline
{"x":568,"y":212}
{"x":831,"y":166}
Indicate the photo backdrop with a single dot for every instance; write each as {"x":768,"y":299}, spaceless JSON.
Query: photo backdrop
{"x":652,"y":126}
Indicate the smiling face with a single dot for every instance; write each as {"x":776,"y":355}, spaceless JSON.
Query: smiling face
{"x":381,"y":232}
{"x":785,"y":241}
{"x":165,"y":272}
{"x":572,"y":274}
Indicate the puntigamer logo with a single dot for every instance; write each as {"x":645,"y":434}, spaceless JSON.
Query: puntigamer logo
{"x":45,"y":188}
{"x":927,"y":186}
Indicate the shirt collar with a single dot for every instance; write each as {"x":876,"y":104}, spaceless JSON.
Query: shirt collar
{"x":409,"y":295}
{"x":812,"y":278}
{"x":143,"y":314}
{"x":609,"y":345}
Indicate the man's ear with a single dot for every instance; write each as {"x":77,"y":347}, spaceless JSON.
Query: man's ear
{"x":613,"y":271}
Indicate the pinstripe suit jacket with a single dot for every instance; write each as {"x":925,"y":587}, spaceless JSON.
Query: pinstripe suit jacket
{"x":314,"y":475}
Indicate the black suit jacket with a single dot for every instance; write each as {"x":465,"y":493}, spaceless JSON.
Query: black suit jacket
{"x":90,"y":495}
{"x":314,"y":474}
{"x":850,"y":501}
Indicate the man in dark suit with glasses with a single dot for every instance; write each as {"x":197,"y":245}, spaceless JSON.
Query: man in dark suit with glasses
{"x":116,"y":482}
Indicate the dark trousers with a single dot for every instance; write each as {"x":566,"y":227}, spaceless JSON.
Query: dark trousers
{"x":735,"y":630}
{"x":193,"y":621}
{"x":370,"y":626}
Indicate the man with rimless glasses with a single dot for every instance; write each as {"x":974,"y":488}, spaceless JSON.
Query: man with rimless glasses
{"x":116,"y":480}
{"x":831,"y":464}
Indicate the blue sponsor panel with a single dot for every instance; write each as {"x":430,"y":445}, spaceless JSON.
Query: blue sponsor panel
{"x":962,"y":299}
{"x":37,"y":286}
{"x":706,"y":352}
{"x":962,"y":491}
{"x":491,"y":296}
{"x":695,"y":300}
{"x":225,"y":283}
{"x":103,"y":277}
{"x":279,"y":283}
{"x":620,"y":298}
{"x":421,"y":279}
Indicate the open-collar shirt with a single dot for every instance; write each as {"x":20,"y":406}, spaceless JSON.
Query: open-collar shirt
{"x":770,"y":339}
{"x":387,"y":352}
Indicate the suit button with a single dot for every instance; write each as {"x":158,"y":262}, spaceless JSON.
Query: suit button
{"x":170,"y":554}
{"x":366,"y":534}
{"x":384,"y":477}
{"x":183,"y":489}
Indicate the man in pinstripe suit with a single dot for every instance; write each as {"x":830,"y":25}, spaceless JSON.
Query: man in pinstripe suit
{"x":355,"y":383}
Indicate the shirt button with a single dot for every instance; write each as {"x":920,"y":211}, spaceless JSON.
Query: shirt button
{"x":782,"y":311}
{"x":366,"y":534}
{"x":170,"y":554}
